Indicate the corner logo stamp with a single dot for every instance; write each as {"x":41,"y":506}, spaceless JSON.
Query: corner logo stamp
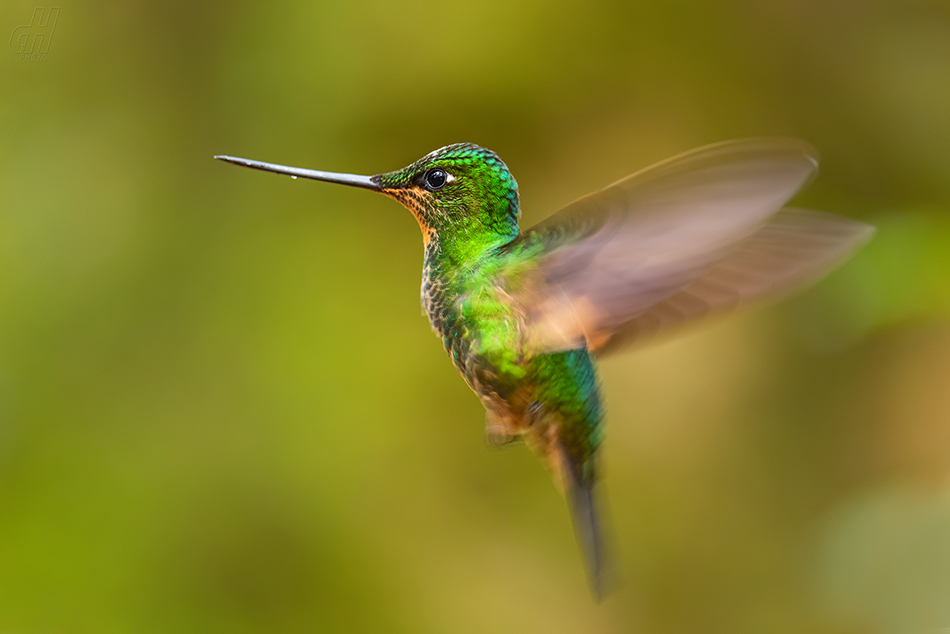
{"x":31,"y":41}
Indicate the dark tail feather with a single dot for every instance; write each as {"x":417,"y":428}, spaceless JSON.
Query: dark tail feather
{"x":587,"y":530}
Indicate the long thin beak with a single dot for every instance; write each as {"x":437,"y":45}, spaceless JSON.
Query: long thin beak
{"x":330,"y":177}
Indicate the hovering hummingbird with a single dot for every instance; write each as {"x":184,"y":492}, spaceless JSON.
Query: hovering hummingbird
{"x":524,"y":315}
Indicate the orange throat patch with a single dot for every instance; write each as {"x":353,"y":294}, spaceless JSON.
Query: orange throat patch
{"x":416,"y":200}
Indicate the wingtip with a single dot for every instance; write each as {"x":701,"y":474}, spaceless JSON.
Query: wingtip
{"x":865,"y":232}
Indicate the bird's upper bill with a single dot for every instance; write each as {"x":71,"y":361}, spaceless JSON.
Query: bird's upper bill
{"x":354,"y":180}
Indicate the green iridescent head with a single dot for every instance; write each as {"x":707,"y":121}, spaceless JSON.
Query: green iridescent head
{"x":457,"y":187}
{"x":462,"y":195}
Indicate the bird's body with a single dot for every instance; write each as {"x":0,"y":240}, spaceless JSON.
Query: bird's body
{"x":550,"y":399}
{"x":474,"y":311}
{"x":523,"y":315}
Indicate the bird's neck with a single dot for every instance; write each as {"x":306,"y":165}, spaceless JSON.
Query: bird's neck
{"x":451,"y":270}
{"x":456,"y":243}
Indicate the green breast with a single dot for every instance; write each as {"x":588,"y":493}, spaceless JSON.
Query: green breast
{"x":473,"y":315}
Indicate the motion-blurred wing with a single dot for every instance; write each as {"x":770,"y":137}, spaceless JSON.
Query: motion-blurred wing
{"x":794,"y":248}
{"x":676,"y":241}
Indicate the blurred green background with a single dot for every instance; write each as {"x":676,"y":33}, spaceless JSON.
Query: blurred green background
{"x":221,"y":410}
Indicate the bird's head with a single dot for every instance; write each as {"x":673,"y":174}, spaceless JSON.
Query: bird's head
{"x":461,"y":193}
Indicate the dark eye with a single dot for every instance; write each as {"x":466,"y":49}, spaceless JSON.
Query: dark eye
{"x":436,"y":179}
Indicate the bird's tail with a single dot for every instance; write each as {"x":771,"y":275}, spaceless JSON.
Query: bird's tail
{"x":590,"y":536}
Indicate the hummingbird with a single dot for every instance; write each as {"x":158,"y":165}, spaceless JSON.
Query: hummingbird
{"x":525,"y":315}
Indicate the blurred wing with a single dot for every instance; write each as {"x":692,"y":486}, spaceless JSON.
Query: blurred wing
{"x":612,"y":263}
{"x":794,"y":248}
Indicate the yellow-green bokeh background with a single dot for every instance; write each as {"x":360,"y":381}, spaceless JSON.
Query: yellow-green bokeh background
{"x":221,"y":410}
